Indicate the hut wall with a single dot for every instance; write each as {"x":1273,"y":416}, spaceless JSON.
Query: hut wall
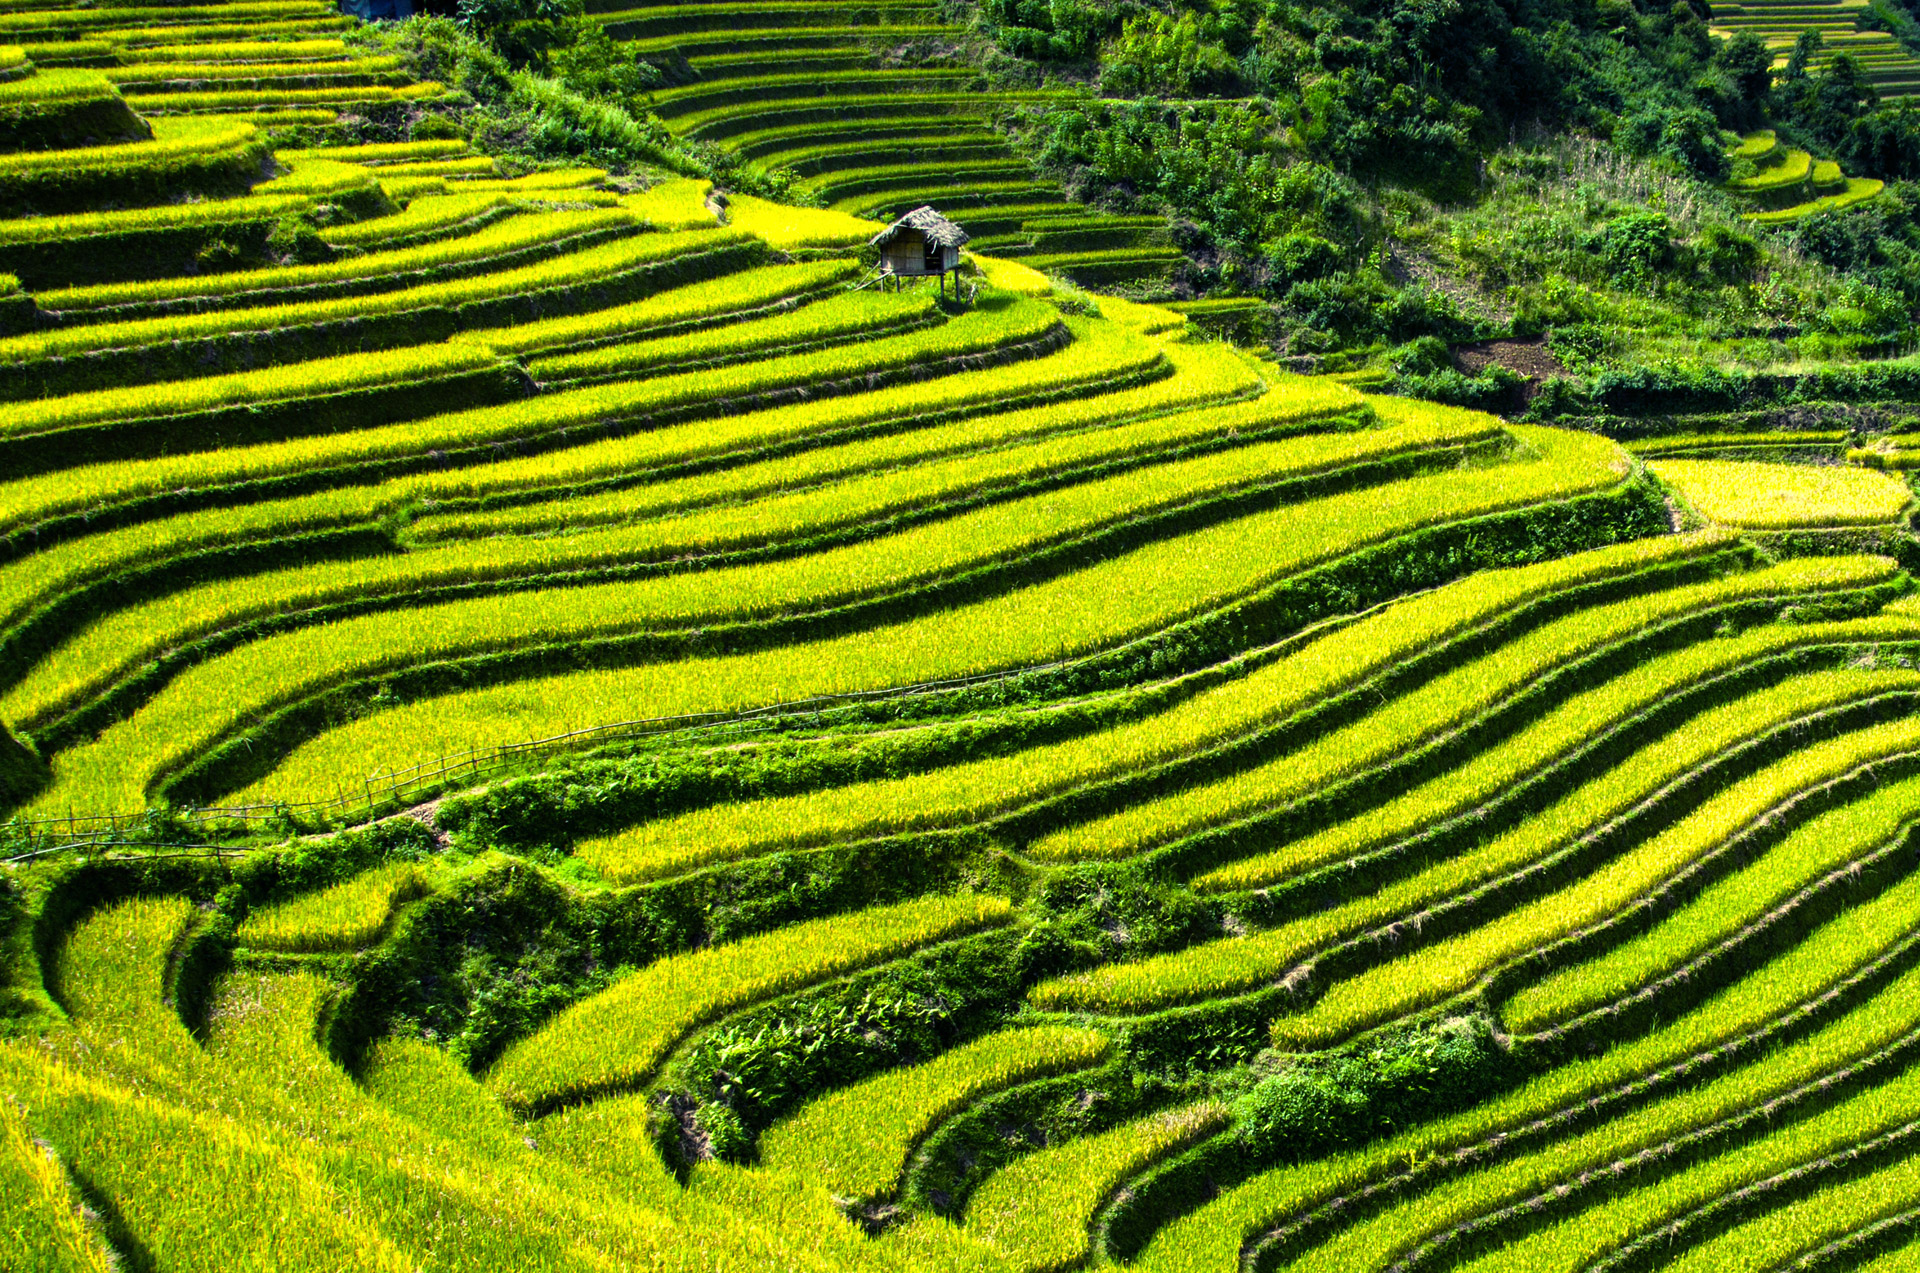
{"x":906,"y":258}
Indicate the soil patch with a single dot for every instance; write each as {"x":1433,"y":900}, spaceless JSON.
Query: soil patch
{"x":1530,"y":359}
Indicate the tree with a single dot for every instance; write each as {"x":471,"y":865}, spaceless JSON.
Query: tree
{"x":1748,"y":63}
{"x":525,"y":32}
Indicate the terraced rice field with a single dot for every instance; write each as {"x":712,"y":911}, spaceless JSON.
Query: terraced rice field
{"x":882,"y":783}
{"x":1889,"y":67}
{"x":870,"y":106}
{"x":1783,"y":185}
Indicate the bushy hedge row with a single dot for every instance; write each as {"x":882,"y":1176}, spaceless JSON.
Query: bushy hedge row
{"x":545,"y":945}
{"x":1650,"y":390}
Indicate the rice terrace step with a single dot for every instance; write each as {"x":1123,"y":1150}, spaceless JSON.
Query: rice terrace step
{"x":801,"y":689}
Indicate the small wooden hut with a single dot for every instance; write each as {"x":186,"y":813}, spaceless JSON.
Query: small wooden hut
{"x":920,"y":244}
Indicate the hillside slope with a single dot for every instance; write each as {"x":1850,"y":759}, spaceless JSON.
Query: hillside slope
{"x":551,"y":724}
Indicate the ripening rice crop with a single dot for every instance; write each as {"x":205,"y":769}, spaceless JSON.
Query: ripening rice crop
{"x":792,"y":228}
{"x":855,"y":1141}
{"x":1081,"y":611}
{"x":1100,"y":357}
{"x":1574,"y":723}
{"x":1244,"y":962}
{"x":1800,"y":1229}
{"x":174,"y":141}
{"x":992,"y":448}
{"x":289,"y":383}
{"x":1830,"y":842}
{"x":29,"y":500}
{"x":78,"y":225}
{"x":1335,"y":662}
{"x":572,"y":268}
{"x":1036,"y":1210}
{"x":386,"y":269}
{"x":1105,"y":355}
{"x":114,"y":964}
{"x":39,"y":1216}
{"x":1761,"y":496}
{"x":713,"y":301}
{"x":872,"y":495}
{"x":1013,"y":276}
{"x":837,"y":576}
{"x":1045,"y":536}
{"x":1453,"y":966}
{"x":851,"y":317}
{"x":195,"y":1186}
{"x":1446,"y":703}
{"x":1827,"y":958}
{"x":1375,"y":1244}
{"x":677,"y":204}
{"x":389,"y":152}
{"x":39,"y":578}
{"x":345,"y":916}
{"x":1570,"y":1245}
{"x":269,"y":99}
{"x":422,"y":218}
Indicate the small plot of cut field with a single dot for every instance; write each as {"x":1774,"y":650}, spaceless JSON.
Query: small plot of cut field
{"x":1760,"y":496}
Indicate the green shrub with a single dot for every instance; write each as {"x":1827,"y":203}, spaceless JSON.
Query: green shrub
{"x":1301,"y":1105}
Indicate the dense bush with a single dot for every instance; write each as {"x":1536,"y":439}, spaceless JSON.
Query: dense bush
{"x":1303,"y":1104}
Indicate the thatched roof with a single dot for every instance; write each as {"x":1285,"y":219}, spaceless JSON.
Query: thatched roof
{"x":930,"y":223}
